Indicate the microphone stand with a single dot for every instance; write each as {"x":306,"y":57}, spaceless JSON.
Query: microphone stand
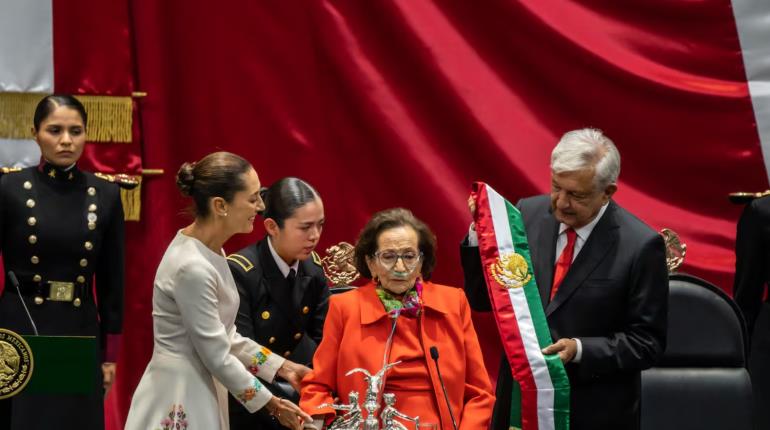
{"x":434,"y":356}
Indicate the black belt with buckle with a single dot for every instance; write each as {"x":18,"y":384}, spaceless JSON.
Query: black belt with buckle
{"x":55,"y":291}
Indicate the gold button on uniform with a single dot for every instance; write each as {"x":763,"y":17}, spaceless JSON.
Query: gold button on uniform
{"x":37,"y":278}
{"x":265,"y":315}
{"x":76,"y":302}
{"x":30,"y":203}
{"x":83,"y":262}
{"x":27,"y":185}
{"x":91,"y":225}
{"x":287,"y":353}
{"x":31,"y":220}
{"x":81,"y":279}
{"x":32,"y":239}
{"x":271,"y":340}
{"x":305,"y":310}
{"x":34,"y":259}
{"x":89,"y":246}
{"x":38,"y":300}
{"x":298,"y":336}
{"x":92,"y":208}
{"x":91,"y":191}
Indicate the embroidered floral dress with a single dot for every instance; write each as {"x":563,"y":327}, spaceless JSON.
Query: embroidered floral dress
{"x":198,"y":356}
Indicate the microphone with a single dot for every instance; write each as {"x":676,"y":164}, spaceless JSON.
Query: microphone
{"x":434,"y":356}
{"x":15,"y":281}
{"x":389,"y":343}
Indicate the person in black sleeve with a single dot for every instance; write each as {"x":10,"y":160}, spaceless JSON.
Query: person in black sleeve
{"x":752,"y":272}
{"x":284,"y":293}
{"x":61,"y":233}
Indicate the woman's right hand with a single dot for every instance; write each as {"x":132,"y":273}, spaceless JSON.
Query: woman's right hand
{"x":287,"y":413}
{"x":293,"y":373}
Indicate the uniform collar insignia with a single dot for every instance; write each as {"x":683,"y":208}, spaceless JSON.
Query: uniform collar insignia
{"x":58,"y":173}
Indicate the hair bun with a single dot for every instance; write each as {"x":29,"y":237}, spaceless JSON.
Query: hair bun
{"x":185,"y":178}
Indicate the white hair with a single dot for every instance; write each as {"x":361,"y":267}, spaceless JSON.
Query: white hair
{"x":584,"y":149}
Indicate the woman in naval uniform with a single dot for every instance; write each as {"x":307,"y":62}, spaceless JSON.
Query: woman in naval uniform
{"x":284,"y":293}
{"x":61,"y":234}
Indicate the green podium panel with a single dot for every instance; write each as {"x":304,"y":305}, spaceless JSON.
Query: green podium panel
{"x":62,"y":365}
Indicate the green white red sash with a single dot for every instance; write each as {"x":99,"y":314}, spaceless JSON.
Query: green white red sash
{"x":543,"y":403}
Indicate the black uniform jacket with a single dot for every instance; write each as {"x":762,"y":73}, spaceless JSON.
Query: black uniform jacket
{"x":62,"y":226}
{"x":279,"y":316}
{"x":614,"y":298}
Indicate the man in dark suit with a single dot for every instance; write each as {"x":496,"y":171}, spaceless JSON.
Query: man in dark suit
{"x":752,"y":272}
{"x":603,"y":283}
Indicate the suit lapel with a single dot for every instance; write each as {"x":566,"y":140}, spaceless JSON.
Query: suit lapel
{"x":596,"y":248}
{"x":543,"y":254}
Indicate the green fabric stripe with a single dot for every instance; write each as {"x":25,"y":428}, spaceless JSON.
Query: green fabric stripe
{"x":531,"y":292}
{"x":515,"y":420}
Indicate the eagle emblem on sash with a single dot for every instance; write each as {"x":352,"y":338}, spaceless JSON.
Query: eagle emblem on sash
{"x":510,"y":270}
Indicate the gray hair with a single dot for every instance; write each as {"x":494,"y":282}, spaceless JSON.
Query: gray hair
{"x":587,"y":148}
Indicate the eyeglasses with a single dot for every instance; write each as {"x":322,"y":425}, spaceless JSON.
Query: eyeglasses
{"x":388,"y":259}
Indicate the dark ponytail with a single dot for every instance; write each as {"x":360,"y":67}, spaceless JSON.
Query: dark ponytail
{"x":284,"y":197}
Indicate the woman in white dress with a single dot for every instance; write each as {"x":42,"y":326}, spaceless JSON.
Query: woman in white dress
{"x":198,"y":356}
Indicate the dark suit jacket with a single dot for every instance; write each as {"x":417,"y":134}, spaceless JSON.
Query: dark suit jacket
{"x":752,"y":273}
{"x":288,"y":319}
{"x":614,"y":299}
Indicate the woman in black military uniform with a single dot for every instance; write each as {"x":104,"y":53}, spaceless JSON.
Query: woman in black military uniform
{"x":61,"y":234}
{"x":284,"y":294}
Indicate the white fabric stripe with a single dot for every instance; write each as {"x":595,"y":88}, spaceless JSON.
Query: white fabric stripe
{"x":752,"y":17}
{"x":545,"y":392}
{"x":500,"y":221}
{"x":19,"y":153}
{"x":26,"y":46}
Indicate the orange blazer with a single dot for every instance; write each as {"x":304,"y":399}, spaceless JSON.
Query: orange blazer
{"x":354,"y":335}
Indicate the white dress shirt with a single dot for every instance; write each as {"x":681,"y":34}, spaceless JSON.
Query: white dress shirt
{"x":282,"y":266}
{"x":582,"y":237}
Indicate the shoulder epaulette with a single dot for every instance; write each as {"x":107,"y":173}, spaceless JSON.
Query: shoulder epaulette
{"x":316,"y":258}
{"x":122,"y":180}
{"x":743,"y":198}
{"x":4,"y":170}
{"x":242,"y":261}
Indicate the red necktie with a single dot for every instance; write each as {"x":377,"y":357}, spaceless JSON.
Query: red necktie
{"x":565,"y":260}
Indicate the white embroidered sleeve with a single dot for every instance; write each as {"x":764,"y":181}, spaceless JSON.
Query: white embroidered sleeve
{"x":196,"y":297}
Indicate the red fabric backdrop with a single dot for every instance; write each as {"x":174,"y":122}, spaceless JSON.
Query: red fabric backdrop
{"x":103,"y":65}
{"x":405,"y":103}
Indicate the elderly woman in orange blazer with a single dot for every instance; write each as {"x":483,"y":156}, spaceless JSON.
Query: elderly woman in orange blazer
{"x":399,"y":316}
